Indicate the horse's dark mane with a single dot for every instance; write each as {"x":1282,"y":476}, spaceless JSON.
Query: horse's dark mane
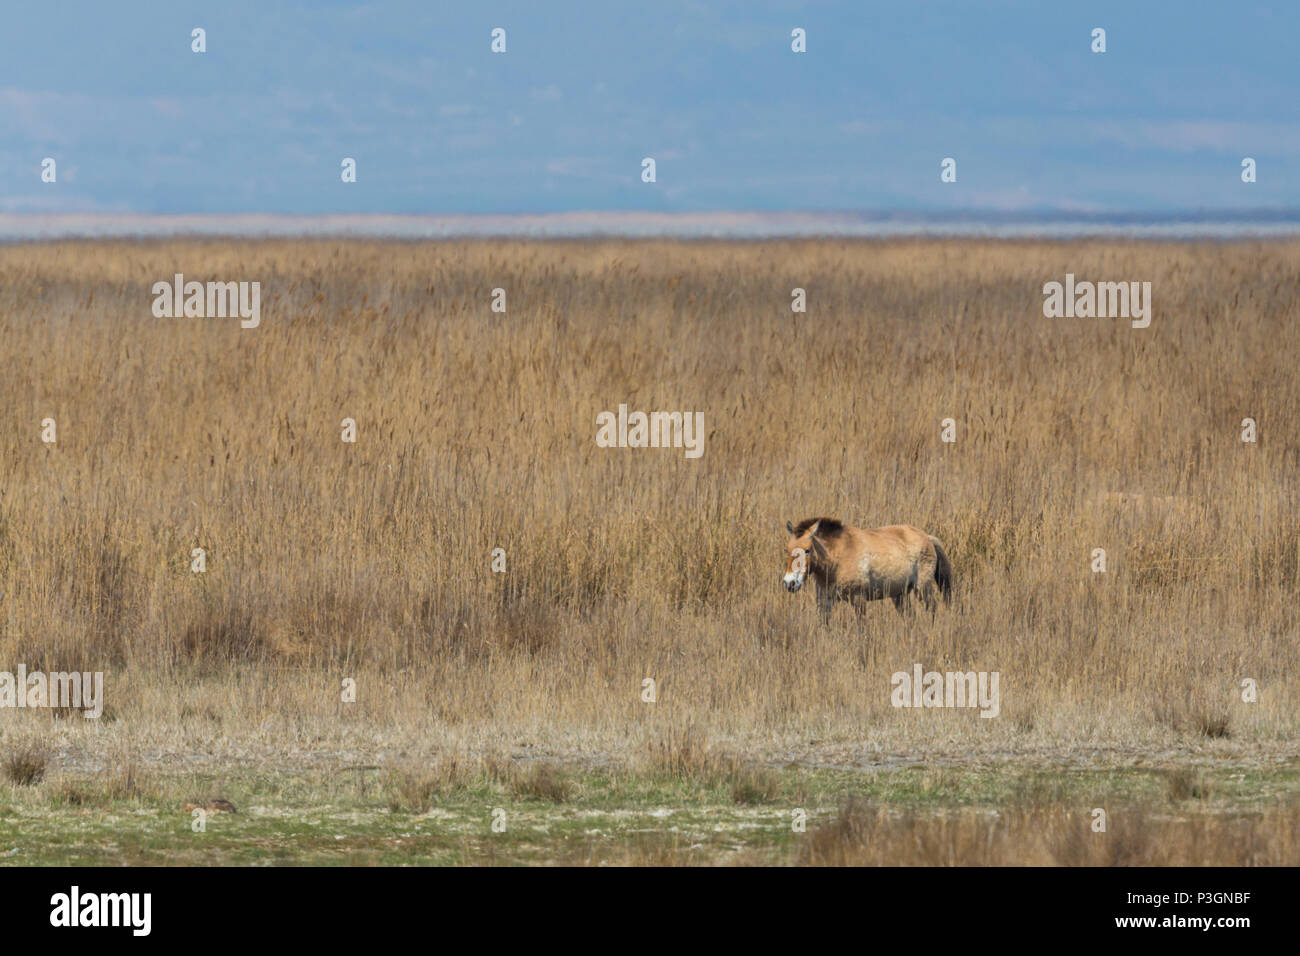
{"x":828,"y":528}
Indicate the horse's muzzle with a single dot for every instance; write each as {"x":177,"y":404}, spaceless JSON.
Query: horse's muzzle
{"x":793,"y":585}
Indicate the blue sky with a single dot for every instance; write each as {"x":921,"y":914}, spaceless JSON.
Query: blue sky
{"x":735,"y":120}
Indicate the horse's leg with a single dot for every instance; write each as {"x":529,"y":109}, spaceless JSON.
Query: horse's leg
{"x":825,"y":602}
{"x":854,"y":599}
{"x":900,"y":602}
{"x":928,"y":599}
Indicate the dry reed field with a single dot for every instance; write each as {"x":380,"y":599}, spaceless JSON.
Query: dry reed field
{"x":476,"y":430}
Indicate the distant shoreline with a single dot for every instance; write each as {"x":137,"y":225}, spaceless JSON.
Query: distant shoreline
{"x":649,"y":225}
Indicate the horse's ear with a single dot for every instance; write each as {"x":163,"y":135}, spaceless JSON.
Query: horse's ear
{"x":789,"y":527}
{"x":821,"y":551}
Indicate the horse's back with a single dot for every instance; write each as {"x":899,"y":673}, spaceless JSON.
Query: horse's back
{"x":903,"y":536}
{"x":896,"y":549}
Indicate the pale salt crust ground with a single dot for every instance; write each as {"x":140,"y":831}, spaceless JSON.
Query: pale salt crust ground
{"x":274,"y":721}
{"x":76,"y":750}
{"x":675,"y":225}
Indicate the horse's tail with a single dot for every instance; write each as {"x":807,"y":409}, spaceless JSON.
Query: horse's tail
{"x":942,"y":570}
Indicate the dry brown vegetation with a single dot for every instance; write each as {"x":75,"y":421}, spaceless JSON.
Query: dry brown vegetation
{"x":1052,"y":835}
{"x":476,"y":431}
{"x":25,"y":765}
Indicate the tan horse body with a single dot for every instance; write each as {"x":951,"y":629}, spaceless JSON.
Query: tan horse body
{"x":860,"y":565}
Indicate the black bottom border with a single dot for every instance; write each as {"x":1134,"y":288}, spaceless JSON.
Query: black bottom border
{"x":947,"y":906}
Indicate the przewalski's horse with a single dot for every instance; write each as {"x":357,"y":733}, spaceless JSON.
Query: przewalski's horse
{"x":859,"y":565}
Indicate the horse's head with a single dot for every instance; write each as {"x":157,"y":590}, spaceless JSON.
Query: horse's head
{"x":801,"y":550}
